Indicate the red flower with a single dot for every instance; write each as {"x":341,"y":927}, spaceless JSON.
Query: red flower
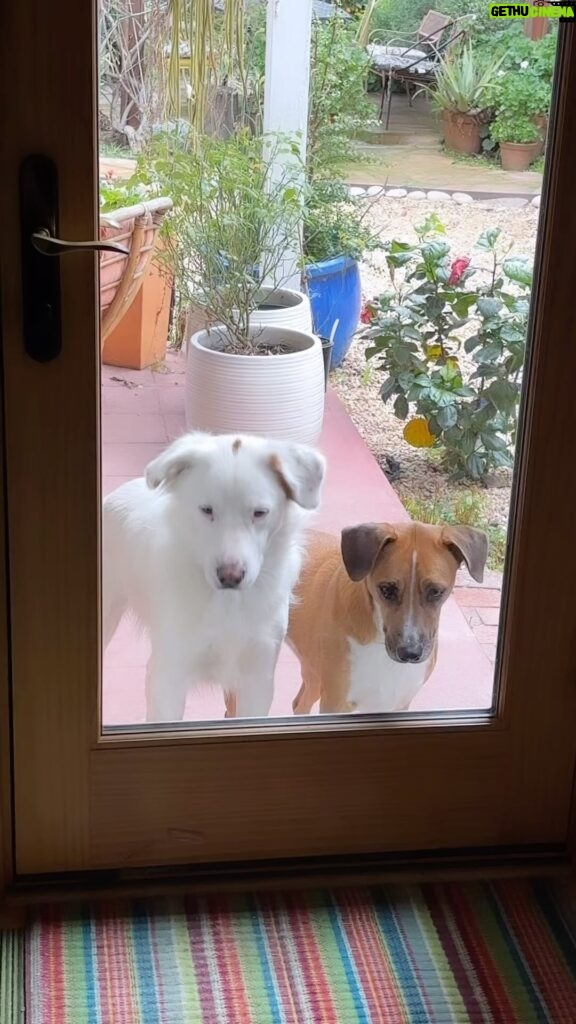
{"x":457,"y":269}
{"x":367,"y":315}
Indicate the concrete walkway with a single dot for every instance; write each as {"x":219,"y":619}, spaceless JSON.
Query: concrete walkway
{"x":409,"y":154}
{"x":429,"y":167}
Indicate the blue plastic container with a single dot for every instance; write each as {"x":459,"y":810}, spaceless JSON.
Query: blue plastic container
{"x":335,"y":294}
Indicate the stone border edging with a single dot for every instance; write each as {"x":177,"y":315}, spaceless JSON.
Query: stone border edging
{"x":440,"y":195}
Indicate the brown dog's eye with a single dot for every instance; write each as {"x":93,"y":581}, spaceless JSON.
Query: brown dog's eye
{"x":434,"y":594}
{"x":389,"y":591}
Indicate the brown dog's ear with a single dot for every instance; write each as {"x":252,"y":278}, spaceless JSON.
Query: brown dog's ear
{"x":467,"y":545}
{"x":361,"y":545}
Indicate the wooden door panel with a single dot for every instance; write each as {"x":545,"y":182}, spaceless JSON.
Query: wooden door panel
{"x":83,"y":801}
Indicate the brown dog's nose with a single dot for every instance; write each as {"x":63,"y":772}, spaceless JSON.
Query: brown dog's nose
{"x":230,"y":575}
{"x":410,"y":653}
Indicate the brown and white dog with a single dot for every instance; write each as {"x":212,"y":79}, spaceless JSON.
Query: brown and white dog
{"x":365,"y":625}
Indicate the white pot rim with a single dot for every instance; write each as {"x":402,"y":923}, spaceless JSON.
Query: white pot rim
{"x":288,"y":298}
{"x":274,"y":335}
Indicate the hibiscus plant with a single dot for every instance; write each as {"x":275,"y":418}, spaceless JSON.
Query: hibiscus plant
{"x":450,"y":339}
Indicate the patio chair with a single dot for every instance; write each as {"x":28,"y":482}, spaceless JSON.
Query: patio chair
{"x":417,"y":61}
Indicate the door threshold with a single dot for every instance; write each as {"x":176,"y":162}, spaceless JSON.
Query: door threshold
{"x":306,"y":873}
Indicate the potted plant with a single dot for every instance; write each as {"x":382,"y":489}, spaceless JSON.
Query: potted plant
{"x":336,"y":237}
{"x":135,"y":293}
{"x":461,"y":91}
{"x":255,"y":366}
{"x":523,"y":83}
{"x":521,"y":95}
{"x":519,"y":138}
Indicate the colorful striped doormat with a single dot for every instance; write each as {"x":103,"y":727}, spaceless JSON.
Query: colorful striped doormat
{"x":443,"y":954}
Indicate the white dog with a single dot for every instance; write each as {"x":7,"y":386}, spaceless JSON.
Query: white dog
{"x":205,"y":551}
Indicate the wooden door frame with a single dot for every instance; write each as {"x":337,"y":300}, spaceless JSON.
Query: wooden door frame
{"x":6,"y":837}
{"x":528,"y":573}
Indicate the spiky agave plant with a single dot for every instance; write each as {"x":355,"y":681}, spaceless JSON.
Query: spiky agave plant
{"x":462,"y":85}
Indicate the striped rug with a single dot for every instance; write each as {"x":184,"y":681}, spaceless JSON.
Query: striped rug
{"x":458,"y":954}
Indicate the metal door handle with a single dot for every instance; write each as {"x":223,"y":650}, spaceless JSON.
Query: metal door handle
{"x":39,"y":230}
{"x":47,"y":245}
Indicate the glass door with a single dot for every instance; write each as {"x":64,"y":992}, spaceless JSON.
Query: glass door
{"x":426,"y":719}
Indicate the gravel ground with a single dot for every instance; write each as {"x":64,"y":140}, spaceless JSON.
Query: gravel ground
{"x":413,"y":472}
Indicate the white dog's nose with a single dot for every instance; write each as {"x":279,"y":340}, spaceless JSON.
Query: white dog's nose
{"x":230,"y":575}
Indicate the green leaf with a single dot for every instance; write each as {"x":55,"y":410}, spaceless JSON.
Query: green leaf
{"x":518,"y":270}
{"x":399,"y":247}
{"x":503,"y":395}
{"x":494,"y":442}
{"x":400,"y":259}
{"x":476,"y":466}
{"x":488,"y":239}
{"x":401,"y":407}
{"x":447,"y":417}
{"x":431,"y":226}
{"x":463,"y":303}
{"x":472,"y":342}
{"x":434,"y":306}
{"x":503,"y":459}
{"x":511,"y":334}
{"x":387,"y":389}
{"x":433,"y":252}
{"x":411,"y":332}
{"x":489,"y":305}
{"x":489,"y":353}
{"x":374,"y":350}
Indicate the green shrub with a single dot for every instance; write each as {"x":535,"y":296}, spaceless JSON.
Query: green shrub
{"x":513,"y":46}
{"x":513,"y":127}
{"x":403,"y":17}
{"x":522,"y":87}
{"x":116,"y":193}
{"x":392,"y":18}
{"x":234,"y":215}
{"x":419,"y":330}
{"x":466,"y":509}
{"x":335,"y":224}
{"x":338,"y":103}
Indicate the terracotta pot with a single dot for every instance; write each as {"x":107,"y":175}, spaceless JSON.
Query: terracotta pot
{"x":461,"y":132}
{"x":517,"y":156}
{"x":121,"y":276}
{"x":541,"y":122}
{"x":141,"y":337}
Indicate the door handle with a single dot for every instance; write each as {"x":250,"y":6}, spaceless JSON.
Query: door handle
{"x":47,"y":245}
{"x":39,"y":216}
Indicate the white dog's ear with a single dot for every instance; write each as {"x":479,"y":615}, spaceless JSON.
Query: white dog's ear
{"x":300,"y":472}
{"x":179,"y":457}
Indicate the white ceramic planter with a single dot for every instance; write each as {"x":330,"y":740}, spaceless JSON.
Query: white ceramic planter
{"x":278,"y":396}
{"x":294,"y":312}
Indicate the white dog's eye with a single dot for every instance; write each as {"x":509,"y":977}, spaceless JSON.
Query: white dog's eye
{"x":207,"y":511}
{"x":260,"y":513}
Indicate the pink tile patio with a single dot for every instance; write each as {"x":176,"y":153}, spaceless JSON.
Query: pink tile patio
{"x":141,"y":412}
